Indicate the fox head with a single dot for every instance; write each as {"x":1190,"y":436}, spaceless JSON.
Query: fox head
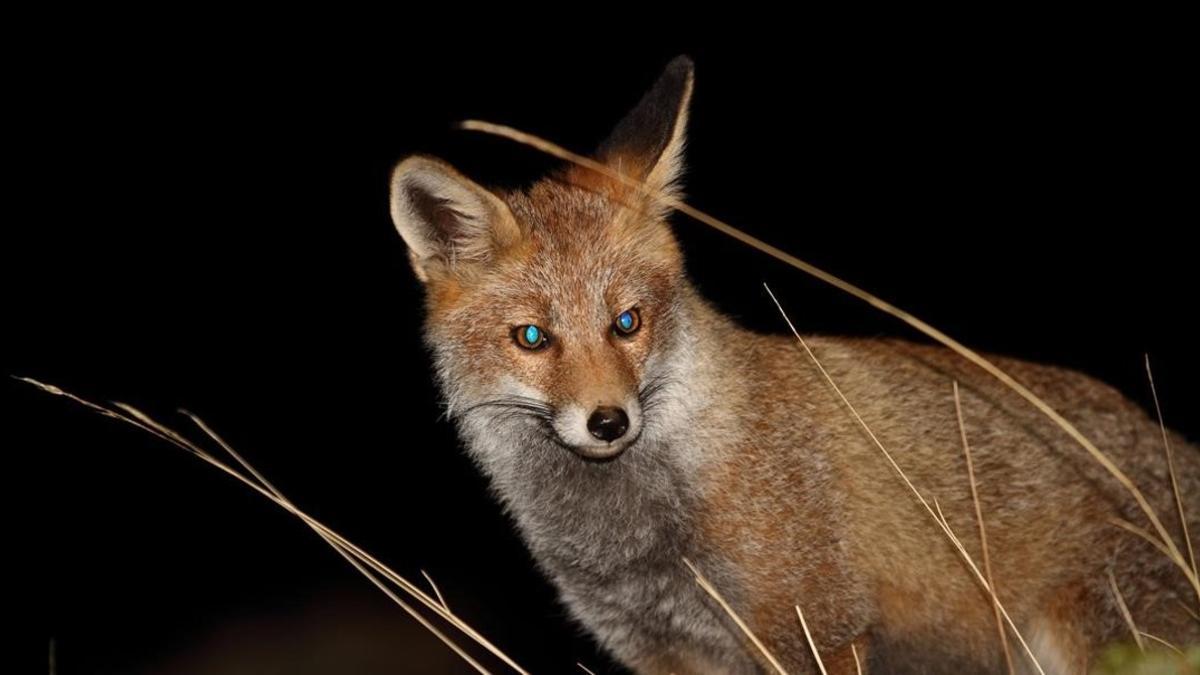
{"x":552,"y":309}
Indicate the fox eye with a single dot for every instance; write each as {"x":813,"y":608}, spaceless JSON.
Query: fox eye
{"x":530,"y":336}
{"x":627,"y":322}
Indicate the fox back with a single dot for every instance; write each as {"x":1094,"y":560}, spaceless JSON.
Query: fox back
{"x":626,"y":424}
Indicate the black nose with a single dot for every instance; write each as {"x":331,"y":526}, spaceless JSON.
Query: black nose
{"x":608,"y":423}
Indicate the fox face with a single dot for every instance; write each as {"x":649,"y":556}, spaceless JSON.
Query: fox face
{"x":555,"y":307}
{"x":565,"y":343}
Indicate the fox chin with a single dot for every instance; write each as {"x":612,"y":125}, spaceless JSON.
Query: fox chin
{"x":625,"y":424}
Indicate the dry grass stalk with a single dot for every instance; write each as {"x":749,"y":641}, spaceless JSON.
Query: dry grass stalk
{"x":967,"y":353}
{"x":1137,"y":635}
{"x":355,"y":555}
{"x":436,"y":592}
{"x":440,"y":606}
{"x":896,"y":467}
{"x":987,"y":563}
{"x":278,"y":497}
{"x":1130,"y":527}
{"x":962,"y":551}
{"x":712,"y":591}
{"x":329,"y":540}
{"x":1187,"y":539}
{"x":1191,"y":612}
{"x":1162,"y":642}
{"x":811,"y":645}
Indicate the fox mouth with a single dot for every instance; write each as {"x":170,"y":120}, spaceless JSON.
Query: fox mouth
{"x":601,"y":452}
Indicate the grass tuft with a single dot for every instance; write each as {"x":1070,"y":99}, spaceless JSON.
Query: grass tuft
{"x":366,"y":564}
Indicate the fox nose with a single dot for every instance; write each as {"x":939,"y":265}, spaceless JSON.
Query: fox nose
{"x":608,"y":423}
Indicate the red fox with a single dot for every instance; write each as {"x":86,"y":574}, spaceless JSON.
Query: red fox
{"x":626,"y":424}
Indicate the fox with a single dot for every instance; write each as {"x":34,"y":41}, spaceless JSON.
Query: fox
{"x":625,"y":424}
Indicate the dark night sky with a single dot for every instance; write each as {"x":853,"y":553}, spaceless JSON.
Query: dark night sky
{"x":202,"y":223}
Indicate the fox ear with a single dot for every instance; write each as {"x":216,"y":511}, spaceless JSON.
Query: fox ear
{"x":648,"y":143}
{"x":446,"y":219}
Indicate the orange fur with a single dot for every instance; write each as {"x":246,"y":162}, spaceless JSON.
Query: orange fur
{"x":751,"y":465}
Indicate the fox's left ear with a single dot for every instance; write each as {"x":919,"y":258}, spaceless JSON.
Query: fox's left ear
{"x":648,"y":143}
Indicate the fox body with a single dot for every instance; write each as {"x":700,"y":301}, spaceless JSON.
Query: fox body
{"x":626,"y":424}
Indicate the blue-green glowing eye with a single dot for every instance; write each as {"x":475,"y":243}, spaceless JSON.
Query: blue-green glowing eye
{"x":530,"y":337}
{"x":627,"y":322}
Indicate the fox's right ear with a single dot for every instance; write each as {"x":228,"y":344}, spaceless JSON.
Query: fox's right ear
{"x":446,"y":219}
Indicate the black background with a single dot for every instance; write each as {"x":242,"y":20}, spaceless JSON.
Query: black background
{"x":201,"y":221}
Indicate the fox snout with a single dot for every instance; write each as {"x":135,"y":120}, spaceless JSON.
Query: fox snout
{"x":601,"y":432}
